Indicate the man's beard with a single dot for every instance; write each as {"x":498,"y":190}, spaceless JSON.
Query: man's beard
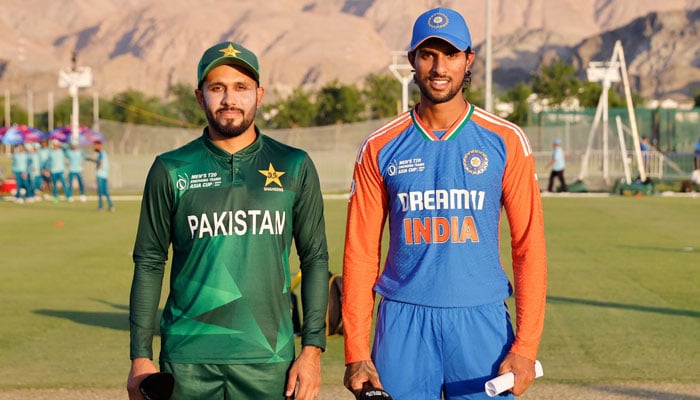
{"x":424,"y":86}
{"x":229,"y":129}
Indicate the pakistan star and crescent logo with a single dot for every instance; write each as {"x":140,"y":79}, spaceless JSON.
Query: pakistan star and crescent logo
{"x":271,"y":175}
{"x":230,"y":51}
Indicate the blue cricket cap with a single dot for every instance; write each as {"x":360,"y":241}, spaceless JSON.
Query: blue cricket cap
{"x":441,"y":23}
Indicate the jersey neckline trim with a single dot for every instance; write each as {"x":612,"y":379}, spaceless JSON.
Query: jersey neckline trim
{"x":450,"y":133}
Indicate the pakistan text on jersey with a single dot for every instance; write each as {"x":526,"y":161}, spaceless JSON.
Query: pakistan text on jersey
{"x":442,"y":199}
{"x":240,"y":222}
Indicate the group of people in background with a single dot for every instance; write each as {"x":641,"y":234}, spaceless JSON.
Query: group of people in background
{"x":39,"y":168}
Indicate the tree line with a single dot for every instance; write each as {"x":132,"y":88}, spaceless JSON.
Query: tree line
{"x":378,"y":96}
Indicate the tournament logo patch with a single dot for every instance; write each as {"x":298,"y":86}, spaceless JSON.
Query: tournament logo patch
{"x":183,"y":182}
{"x":438,"y":20}
{"x":475,"y":162}
{"x":392,"y":168}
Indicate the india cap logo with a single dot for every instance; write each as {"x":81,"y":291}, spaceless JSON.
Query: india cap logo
{"x":438,"y":20}
{"x":475,"y":162}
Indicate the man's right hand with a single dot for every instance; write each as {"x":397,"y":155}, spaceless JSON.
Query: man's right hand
{"x":360,"y":372}
{"x":140,"y":369}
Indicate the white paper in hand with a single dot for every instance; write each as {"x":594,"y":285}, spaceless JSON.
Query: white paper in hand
{"x":506,"y":381}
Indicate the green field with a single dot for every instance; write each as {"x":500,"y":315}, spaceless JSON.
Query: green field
{"x":623,"y":305}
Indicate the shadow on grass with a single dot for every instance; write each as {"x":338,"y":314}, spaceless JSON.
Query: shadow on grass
{"x":109,"y":320}
{"x":652,"y":249}
{"x":639,"y":393}
{"x":623,"y":306}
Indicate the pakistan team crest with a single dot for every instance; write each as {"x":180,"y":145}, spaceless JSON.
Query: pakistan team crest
{"x":475,"y":162}
{"x":272,"y":176}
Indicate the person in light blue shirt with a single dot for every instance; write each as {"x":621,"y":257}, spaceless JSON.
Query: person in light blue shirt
{"x":557,"y":163}
{"x":34,"y":170}
{"x":57,"y":168}
{"x":76,"y":156}
{"x":20,"y":168}
{"x":45,"y":184}
{"x":102,"y":177}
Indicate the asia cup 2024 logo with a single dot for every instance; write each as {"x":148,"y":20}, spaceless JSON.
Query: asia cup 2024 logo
{"x":475,"y":162}
{"x":183,"y":182}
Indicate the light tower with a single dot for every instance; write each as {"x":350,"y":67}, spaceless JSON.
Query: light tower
{"x":402,"y":72}
{"x":75,"y":78}
{"x":607,"y":73}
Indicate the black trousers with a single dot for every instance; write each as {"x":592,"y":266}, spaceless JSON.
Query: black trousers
{"x":560,"y":176}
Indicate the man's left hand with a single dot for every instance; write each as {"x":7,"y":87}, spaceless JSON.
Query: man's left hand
{"x":305,"y":375}
{"x":522,"y":367}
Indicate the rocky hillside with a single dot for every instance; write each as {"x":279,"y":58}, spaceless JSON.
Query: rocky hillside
{"x":150,"y":44}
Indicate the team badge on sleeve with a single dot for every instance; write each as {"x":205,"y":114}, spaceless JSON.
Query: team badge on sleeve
{"x":475,"y":162}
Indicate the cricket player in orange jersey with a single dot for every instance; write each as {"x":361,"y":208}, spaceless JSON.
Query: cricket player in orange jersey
{"x":442,"y":173}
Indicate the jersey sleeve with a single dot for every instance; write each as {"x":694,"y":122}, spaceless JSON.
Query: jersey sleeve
{"x":523,"y":206}
{"x":150,"y":255}
{"x":367,"y":210}
{"x":310,"y":240}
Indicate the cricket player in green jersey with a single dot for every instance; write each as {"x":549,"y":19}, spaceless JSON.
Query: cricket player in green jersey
{"x":230,"y":203}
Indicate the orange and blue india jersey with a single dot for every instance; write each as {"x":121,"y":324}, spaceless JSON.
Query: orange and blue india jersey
{"x":443,"y":193}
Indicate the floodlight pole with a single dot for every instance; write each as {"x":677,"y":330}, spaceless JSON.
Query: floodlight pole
{"x":623,"y":149}
{"x":74,"y":78}
{"x":604,"y":98}
{"x":75,"y":109}
{"x":606,"y":74}
{"x":630,"y":111}
{"x":489,"y":66}
{"x":50,"y":102}
{"x":400,"y":72}
{"x":30,"y":108}
{"x":8,"y":106}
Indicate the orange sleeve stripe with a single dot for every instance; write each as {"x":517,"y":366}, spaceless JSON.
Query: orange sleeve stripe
{"x":523,"y":206}
{"x":367,"y":210}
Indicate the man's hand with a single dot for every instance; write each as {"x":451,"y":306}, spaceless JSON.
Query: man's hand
{"x":306,"y":371}
{"x":523,"y":369}
{"x":140,"y":368}
{"x":357,"y":373}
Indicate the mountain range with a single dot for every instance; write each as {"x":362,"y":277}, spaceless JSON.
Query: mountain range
{"x":148,"y":45}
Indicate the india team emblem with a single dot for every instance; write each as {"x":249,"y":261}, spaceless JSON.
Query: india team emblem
{"x":438,"y":20}
{"x":475,"y":162}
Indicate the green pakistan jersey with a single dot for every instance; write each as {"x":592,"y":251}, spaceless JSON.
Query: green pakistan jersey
{"x":231,"y":219}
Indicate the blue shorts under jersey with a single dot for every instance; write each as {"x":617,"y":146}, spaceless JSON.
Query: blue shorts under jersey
{"x":422,"y":352}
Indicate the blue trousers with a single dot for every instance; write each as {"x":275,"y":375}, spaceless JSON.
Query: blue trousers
{"x":103,"y":191}
{"x":59,"y":177}
{"x":79,"y":177}
{"x":426,"y":353}
{"x":23,"y":182}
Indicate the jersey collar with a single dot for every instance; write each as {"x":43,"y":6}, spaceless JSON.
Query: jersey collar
{"x":451,"y":133}
{"x":252,"y":148}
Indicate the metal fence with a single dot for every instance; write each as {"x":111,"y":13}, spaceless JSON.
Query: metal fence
{"x":132,"y":148}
